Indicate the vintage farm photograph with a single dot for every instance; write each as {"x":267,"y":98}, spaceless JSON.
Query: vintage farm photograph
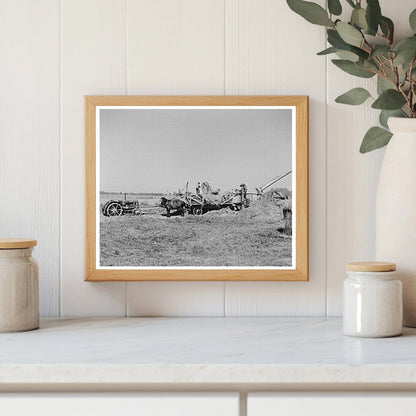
{"x":195,"y":187}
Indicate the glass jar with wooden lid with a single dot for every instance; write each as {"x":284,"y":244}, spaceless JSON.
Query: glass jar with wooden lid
{"x":372,"y":300}
{"x":19,"y":286}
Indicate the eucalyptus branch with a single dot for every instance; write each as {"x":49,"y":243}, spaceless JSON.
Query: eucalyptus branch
{"x":365,"y":44}
{"x":412,"y":85}
{"x":395,"y":71}
{"x":385,"y":75}
{"x":406,"y":97}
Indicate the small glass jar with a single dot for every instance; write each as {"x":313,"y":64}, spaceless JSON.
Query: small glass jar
{"x":372,"y":300}
{"x":19,"y":286}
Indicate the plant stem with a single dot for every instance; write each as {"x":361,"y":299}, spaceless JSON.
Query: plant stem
{"x":412,"y":86}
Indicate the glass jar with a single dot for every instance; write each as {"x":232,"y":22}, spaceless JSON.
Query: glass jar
{"x":19,"y":286}
{"x":372,"y":300}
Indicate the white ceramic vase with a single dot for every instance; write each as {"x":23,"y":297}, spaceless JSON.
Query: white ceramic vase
{"x":396,"y":210}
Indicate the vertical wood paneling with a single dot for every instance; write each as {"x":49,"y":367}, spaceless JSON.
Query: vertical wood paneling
{"x":270,"y":50}
{"x":29,"y":134}
{"x":93,"y":62}
{"x":175,"y":47}
{"x":352,"y":178}
{"x":175,"y":299}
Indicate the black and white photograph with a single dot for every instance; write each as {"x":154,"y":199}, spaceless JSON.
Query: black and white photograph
{"x":195,"y":187}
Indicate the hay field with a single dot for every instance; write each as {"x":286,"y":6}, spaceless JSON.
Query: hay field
{"x":252,"y":237}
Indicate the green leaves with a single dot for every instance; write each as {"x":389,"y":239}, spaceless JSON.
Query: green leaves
{"x":389,"y":100}
{"x":356,"y":96}
{"x":311,"y":12}
{"x":412,"y":20}
{"x":349,"y":34}
{"x":334,"y":7}
{"x":347,"y":55}
{"x":387,"y":27}
{"x":373,"y":15}
{"x":337,"y":42}
{"x":381,"y":50}
{"x":383,"y":84}
{"x":358,"y":18}
{"x":327,"y":51}
{"x":375,"y":138}
{"x":405,"y":50}
{"x":352,"y":68}
{"x":350,"y":56}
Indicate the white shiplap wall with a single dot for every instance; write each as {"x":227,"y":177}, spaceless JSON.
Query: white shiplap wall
{"x":30,"y":134}
{"x":54,"y":52}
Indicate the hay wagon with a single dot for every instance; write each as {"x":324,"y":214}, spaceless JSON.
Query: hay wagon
{"x":200,"y":203}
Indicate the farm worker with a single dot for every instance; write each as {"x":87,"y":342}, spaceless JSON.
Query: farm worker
{"x":243,"y":187}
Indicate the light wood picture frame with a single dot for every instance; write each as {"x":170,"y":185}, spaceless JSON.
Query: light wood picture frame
{"x":153,"y":212}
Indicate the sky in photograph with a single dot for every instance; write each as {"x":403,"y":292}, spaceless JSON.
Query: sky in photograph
{"x":160,"y":150}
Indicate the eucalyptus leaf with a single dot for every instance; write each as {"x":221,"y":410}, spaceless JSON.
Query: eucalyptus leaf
{"x":350,"y":56}
{"x":349,"y":34}
{"x":334,"y":7}
{"x":311,"y":12}
{"x":412,"y":20}
{"x":356,"y":96}
{"x":336,"y":41}
{"x":387,"y":27}
{"x":381,"y":50}
{"x":389,"y":100}
{"x":327,"y":51}
{"x":358,"y":18}
{"x":373,"y":65}
{"x":352,"y":68}
{"x":347,"y":55}
{"x":375,"y":138}
{"x":392,"y":76}
{"x":383,"y":84}
{"x":405,"y":50}
{"x":373,"y":15}
{"x":386,"y":114}
{"x":360,"y":53}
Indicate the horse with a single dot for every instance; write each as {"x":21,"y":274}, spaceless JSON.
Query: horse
{"x":175,"y":204}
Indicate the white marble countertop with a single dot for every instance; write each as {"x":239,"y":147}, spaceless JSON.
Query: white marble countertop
{"x":203,"y":351}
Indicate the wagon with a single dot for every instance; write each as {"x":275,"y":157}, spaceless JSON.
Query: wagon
{"x":117,"y":207}
{"x":199,"y":204}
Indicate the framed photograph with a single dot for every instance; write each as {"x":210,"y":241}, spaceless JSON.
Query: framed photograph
{"x":196,"y":188}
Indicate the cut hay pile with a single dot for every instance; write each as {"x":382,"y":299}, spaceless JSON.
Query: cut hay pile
{"x":273,"y":206}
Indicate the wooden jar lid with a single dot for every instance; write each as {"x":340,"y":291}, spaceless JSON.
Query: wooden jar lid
{"x":371,"y":266}
{"x":11,"y":243}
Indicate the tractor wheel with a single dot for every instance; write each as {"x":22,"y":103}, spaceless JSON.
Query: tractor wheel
{"x":114,"y":209}
{"x":197,"y":210}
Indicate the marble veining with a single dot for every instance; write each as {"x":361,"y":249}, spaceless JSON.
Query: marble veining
{"x":203,"y":350}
